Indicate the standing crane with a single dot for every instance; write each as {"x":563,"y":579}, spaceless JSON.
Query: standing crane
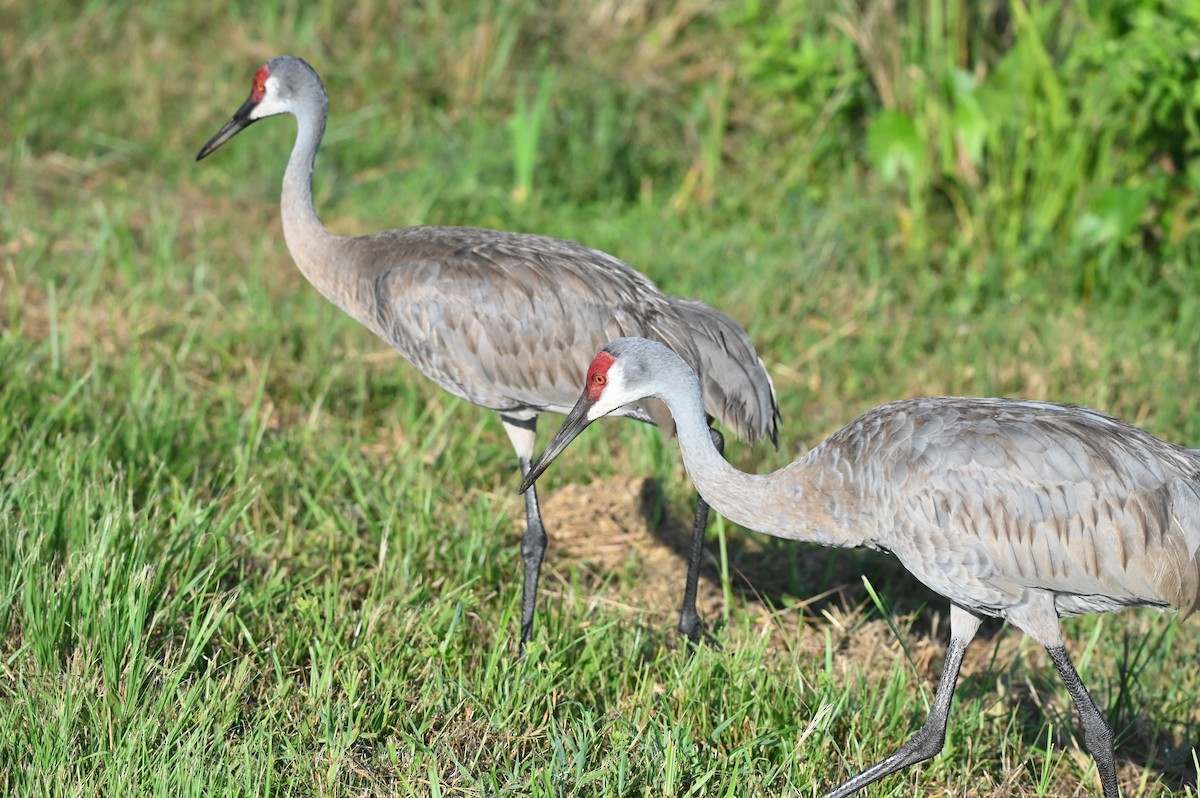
{"x":503,"y":319}
{"x":1026,"y":511}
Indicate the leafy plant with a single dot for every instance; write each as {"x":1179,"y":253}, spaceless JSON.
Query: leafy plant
{"x":525,"y":129}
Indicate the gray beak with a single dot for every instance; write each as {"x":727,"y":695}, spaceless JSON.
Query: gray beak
{"x":238,"y":122}
{"x":577,"y":422}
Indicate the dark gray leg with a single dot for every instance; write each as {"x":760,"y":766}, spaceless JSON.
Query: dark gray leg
{"x":522,"y":431}
{"x":690,"y":623}
{"x":1097,"y":734}
{"x":533,"y":551}
{"x":928,"y":741}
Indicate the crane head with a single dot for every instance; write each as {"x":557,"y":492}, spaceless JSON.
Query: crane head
{"x":283,"y":85}
{"x":602,"y":394}
{"x":244,"y":116}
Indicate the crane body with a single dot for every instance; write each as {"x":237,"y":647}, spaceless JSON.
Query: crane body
{"x":503,"y":320}
{"x":1020,"y":510}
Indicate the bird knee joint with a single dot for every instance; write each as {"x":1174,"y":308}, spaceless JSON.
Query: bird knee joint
{"x":1099,"y":738}
{"x":533,"y":547}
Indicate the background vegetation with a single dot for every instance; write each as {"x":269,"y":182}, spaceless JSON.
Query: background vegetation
{"x":244,"y":550}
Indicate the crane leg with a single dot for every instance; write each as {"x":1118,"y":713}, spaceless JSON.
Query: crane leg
{"x":521,"y":432}
{"x":931,"y":737}
{"x":533,"y":551}
{"x":690,"y":623}
{"x":1097,"y":734}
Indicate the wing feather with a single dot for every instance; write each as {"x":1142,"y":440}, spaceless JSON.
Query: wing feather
{"x":994,"y":499}
{"x":511,"y":321}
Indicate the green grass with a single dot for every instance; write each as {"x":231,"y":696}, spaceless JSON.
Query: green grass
{"x":246,"y":551}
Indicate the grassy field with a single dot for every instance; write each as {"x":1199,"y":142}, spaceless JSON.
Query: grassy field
{"x":245,"y":550}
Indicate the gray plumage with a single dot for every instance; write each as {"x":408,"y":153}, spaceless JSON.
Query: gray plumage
{"x":506,"y":320}
{"x":502,"y":320}
{"x":1021,"y":510}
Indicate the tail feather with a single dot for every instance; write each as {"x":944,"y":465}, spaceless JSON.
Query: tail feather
{"x":1176,"y":566}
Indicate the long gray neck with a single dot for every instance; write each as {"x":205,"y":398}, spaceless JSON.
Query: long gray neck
{"x":750,"y":500}
{"x":318,"y":253}
{"x":795,"y":502}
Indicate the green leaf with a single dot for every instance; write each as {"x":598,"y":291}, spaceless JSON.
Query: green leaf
{"x":970,"y":121}
{"x":1113,"y":216}
{"x":895,"y":146}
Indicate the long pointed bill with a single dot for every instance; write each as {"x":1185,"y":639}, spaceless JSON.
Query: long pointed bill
{"x":237,"y":123}
{"x":577,"y":421}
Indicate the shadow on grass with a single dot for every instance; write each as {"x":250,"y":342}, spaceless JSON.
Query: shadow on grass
{"x":774,"y":573}
{"x":1153,"y":731}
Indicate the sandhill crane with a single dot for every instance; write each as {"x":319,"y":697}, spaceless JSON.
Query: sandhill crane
{"x":503,"y":320}
{"x":1026,"y":511}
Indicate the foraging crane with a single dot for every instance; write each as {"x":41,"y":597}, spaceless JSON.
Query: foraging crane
{"x":501,"y":319}
{"x":1025,"y":511}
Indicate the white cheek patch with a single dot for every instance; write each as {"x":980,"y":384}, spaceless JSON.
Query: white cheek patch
{"x":613,"y":397}
{"x":270,"y":104}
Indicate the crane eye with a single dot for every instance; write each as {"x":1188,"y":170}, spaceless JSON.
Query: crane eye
{"x":599,"y":379}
